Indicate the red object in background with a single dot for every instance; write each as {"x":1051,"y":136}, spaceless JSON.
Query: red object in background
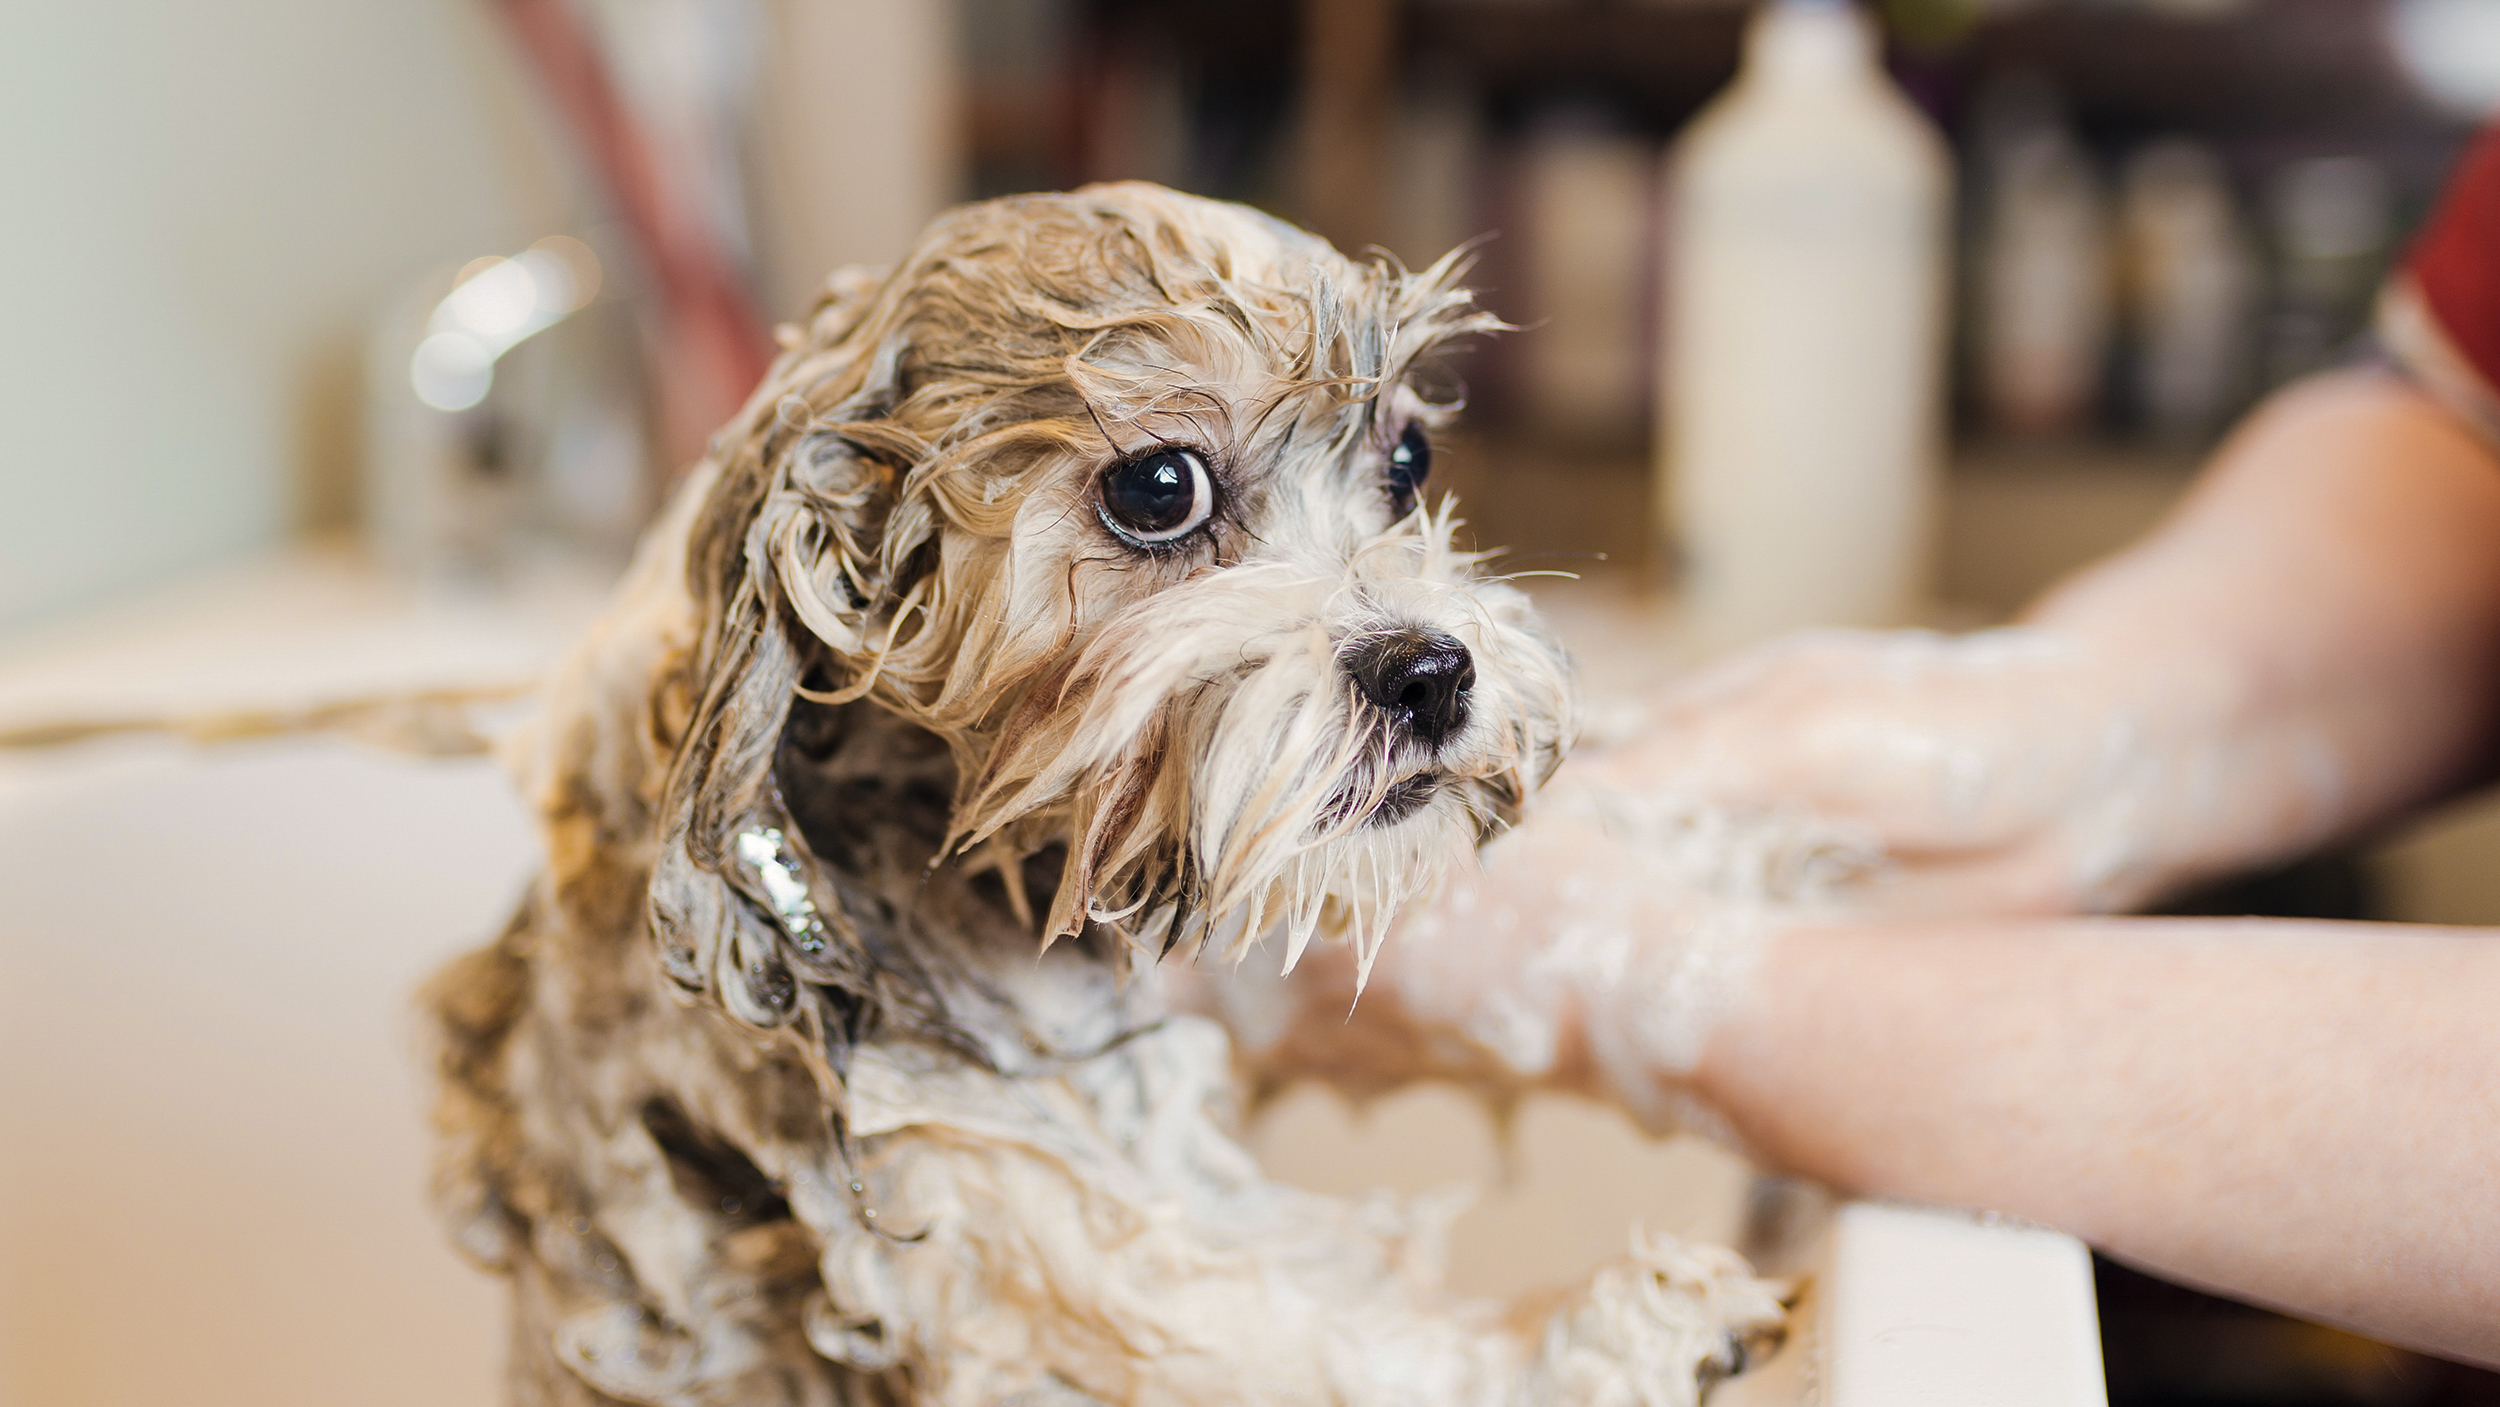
{"x":709,"y":343}
{"x":2456,"y":260}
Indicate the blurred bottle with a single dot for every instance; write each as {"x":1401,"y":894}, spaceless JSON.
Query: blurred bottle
{"x":2191,"y":289}
{"x":2332,"y":224}
{"x":1803,"y":373}
{"x":1438,"y":145}
{"x":1590,"y":191}
{"x":2041,"y":290}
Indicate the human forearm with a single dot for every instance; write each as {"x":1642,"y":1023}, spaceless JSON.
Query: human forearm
{"x":2297,"y":1113}
{"x":2318,"y":626}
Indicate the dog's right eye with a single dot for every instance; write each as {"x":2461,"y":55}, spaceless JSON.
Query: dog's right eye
{"x":1409,"y":464}
{"x":1161,"y":497}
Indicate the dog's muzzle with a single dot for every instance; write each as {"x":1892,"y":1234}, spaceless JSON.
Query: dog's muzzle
{"x":1418,"y":678}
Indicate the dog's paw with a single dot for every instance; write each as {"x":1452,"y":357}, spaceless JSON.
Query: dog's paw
{"x":1655,"y":1329}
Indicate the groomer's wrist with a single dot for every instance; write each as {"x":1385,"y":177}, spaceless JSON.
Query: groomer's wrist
{"x":1745,"y":1063}
{"x":2220,"y":726}
{"x":2234,"y":772}
{"x":1644,"y":1025}
{"x":2147,"y":734}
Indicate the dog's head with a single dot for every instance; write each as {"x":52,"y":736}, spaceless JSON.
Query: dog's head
{"x":1123,"y":495}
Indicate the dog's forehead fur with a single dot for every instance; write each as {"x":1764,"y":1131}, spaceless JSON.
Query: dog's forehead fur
{"x":1062,"y":332}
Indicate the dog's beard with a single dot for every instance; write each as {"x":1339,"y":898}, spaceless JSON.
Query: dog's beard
{"x":1218,"y":777}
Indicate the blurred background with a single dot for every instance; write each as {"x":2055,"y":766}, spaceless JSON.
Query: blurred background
{"x":348,"y":346}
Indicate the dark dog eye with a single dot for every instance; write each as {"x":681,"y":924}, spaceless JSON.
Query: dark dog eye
{"x":1158,"y":498}
{"x":1409,"y":463}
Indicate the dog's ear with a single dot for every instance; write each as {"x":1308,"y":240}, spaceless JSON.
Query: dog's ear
{"x":789,"y":579}
{"x":810,"y":525}
{"x":819,"y":533}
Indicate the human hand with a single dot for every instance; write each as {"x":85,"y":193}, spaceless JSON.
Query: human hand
{"x":2011,"y":771}
{"x":1588,"y":950}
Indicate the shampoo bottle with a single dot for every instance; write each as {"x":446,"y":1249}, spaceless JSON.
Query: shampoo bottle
{"x":1803,"y":373}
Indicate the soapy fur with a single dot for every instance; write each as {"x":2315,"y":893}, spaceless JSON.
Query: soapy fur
{"x":832,"y":1131}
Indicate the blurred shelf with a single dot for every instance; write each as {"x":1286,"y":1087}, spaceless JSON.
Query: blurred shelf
{"x":2322,"y":66}
{"x":2016,"y":517}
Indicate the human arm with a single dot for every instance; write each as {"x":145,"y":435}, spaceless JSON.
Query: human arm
{"x":2302,"y":1114}
{"x":2309,"y":645}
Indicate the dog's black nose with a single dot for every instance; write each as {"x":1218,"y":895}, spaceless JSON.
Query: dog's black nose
{"x":1420,"y":678}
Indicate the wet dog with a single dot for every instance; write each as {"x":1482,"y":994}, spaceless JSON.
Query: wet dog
{"x":1071,"y":585}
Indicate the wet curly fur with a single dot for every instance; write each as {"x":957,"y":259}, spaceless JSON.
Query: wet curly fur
{"x":856,"y":1143}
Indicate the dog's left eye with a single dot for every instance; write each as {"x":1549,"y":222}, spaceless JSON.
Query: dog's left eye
{"x":1409,"y":464}
{"x":1161,"y":497}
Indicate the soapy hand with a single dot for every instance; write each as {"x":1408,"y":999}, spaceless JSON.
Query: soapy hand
{"x":1589,"y":950}
{"x":2010,"y":771}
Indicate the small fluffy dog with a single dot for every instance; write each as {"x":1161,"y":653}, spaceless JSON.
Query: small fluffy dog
{"x":1071,"y":582}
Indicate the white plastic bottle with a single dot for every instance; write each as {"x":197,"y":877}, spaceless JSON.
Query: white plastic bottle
{"x":1803,"y":402}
